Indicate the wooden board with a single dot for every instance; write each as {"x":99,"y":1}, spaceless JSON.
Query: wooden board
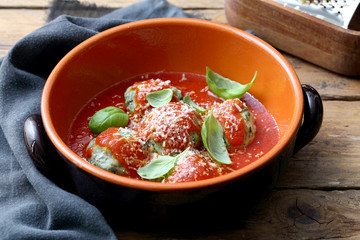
{"x":317,"y":41}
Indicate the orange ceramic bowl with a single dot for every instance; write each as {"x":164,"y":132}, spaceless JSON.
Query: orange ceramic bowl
{"x":172,"y":45}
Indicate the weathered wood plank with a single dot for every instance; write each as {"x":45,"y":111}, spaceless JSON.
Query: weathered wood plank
{"x":3,"y":51}
{"x":24,"y":3}
{"x":202,"y":4}
{"x":331,"y":160}
{"x":329,"y":85}
{"x":284,"y":214}
{"x":304,"y":214}
{"x":15,"y":24}
{"x":216,"y":15}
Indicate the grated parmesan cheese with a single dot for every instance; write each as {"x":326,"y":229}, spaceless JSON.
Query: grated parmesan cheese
{"x":171,"y":125}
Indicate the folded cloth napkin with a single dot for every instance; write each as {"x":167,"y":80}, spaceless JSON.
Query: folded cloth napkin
{"x":31,"y":206}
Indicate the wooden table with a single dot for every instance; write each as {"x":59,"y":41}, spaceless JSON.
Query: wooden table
{"x":319,"y":195}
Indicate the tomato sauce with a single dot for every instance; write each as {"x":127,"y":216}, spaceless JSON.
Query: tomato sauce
{"x":194,"y":85}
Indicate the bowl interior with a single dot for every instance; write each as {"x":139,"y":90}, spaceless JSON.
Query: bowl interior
{"x":174,"y":45}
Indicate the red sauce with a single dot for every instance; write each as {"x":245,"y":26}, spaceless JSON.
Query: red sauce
{"x":195,"y":86}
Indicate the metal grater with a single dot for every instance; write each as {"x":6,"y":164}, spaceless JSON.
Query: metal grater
{"x":338,"y":12}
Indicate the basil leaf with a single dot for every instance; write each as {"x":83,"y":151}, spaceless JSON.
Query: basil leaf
{"x":189,"y":102}
{"x":224,"y":87}
{"x":160,"y":166}
{"x":177,"y":93}
{"x":159,"y":98}
{"x":108,"y":117}
{"x":212,"y":135}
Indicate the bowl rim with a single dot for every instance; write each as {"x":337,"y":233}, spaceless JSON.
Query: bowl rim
{"x":157,"y":186}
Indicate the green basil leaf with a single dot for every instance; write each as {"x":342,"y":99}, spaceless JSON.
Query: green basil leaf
{"x":177,"y":93}
{"x":212,"y":135}
{"x":160,"y":166}
{"x":108,"y":117}
{"x":159,"y":98}
{"x":189,"y":102}
{"x":224,"y":87}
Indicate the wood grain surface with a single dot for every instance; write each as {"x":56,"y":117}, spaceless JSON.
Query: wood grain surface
{"x":319,"y":195}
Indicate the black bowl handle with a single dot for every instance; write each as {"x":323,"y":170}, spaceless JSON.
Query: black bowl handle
{"x":312,"y":117}
{"x":43,"y":153}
